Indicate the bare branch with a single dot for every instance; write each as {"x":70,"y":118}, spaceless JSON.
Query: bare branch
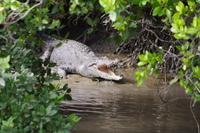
{"x":24,"y":15}
{"x":158,"y":36}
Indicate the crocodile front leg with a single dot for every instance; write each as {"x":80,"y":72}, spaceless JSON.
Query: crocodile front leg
{"x":63,"y":70}
{"x":60,"y":71}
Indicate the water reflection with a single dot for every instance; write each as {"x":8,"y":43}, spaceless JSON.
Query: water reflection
{"x":108,"y":107}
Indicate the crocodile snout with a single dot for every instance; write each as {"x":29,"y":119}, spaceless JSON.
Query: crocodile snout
{"x":106,"y":73}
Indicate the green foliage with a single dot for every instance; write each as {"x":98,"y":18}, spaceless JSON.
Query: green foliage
{"x":82,"y":7}
{"x":12,"y":5}
{"x":28,"y":99}
{"x":183,"y":29}
{"x":185,"y":24}
{"x":148,"y":66}
{"x":4,"y":64}
{"x":88,"y":9}
{"x":189,"y":75}
{"x":181,"y":17}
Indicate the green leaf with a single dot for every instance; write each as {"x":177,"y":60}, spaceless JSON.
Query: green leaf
{"x":142,"y":63}
{"x":59,"y":98}
{"x":192,"y":30}
{"x":50,"y":111}
{"x":132,"y":25}
{"x":73,"y":118}
{"x":165,"y":1}
{"x":76,"y":2}
{"x":184,"y":67}
{"x":158,"y":11}
{"x":176,"y":16}
{"x":45,"y":21}
{"x":1,"y":8}
{"x":2,"y":17}
{"x":181,"y":36}
{"x":188,"y":91}
{"x":195,"y":22}
{"x":180,"y":7}
{"x":196,"y":71}
{"x":7,"y":1}
{"x":174,"y":28}
{"x":54,"y":24}
{"x":107,"y":4}
{"x":119,"y":26}
{"x":2,"y":82}
{"x":143,"y":2}
{"x":7,"y":124}
{"x":112,"y":15}
{"x":53,"y":95}
{"x":169,"y":14}
{"x":197,"y":98}
{"x":180,"y":23}
{"x":14,"y":6}
{"x":4,"y":63}
{"x":140,"y":76}
{"x":68,"y":97}
{"x":12,"y":1}
{"x":65,"y":87}
{"x":192,"y":5}
{"x":68,"y":90}
{"x":173,"y":81}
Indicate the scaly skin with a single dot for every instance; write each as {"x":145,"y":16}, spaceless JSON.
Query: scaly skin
{"x":74,"y":57}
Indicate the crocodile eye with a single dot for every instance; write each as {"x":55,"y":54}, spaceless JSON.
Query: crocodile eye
{"x":92,"y":64}
{"x":103,"y":68}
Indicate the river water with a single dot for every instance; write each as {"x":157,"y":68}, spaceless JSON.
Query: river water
{"x":110,"y":107}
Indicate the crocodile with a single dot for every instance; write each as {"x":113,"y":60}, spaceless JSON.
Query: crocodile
{"x":71,"y":56}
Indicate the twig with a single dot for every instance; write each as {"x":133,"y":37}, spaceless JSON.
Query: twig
{"x":158,"y":36}
{"x":1,"y":36}
{"x":24,"y":15}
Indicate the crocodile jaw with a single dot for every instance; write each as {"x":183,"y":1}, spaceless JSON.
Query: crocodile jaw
{"x":108,"y":76}
{"x":95,"y":71}
{"x":111,"y":76}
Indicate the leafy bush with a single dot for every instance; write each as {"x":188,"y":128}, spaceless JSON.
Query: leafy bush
{"x":27,"y":103}
{"x":184,"y":22}
{"x":28,"y":99}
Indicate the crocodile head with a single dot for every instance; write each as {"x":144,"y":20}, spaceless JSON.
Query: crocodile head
{"x":99,"y":71}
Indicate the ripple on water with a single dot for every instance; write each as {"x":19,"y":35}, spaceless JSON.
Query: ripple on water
{"x":108,"y":107}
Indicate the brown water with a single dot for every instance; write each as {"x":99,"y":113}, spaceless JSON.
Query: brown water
{"x":109,"y":107}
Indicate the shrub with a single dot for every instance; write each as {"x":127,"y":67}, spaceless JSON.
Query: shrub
{"x":28,"y":99}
